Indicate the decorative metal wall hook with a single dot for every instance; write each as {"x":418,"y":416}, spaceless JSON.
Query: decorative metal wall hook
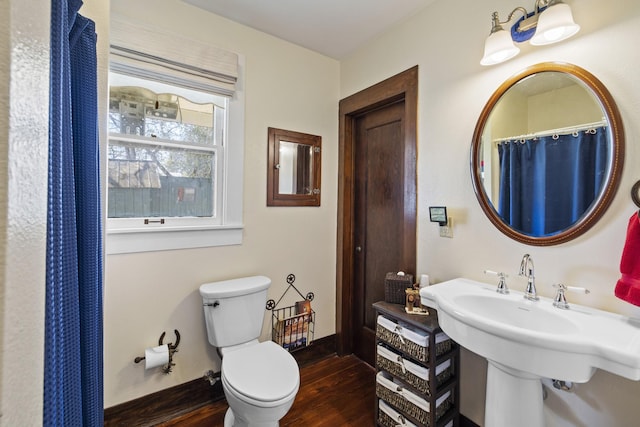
{"x":635,"y":193}
{"x":173,"y":348}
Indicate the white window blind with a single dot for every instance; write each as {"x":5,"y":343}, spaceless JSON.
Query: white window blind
{"x":158,"y":55}
{"x":144,"y":52}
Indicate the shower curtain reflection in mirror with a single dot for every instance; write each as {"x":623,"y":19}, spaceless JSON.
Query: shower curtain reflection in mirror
{"x":547,"y":183}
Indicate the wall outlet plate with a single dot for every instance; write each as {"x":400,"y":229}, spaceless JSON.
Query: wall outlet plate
{"x":447,"y":230}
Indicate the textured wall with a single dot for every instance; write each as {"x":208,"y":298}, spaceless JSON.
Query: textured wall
{"x":24,"y":84}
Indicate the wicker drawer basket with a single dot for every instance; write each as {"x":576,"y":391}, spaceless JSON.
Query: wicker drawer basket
{"x":398,"y":336}
{"x":387,"y":415}
{"x":386,"y":421}
{"x":406,"y":370}
{"x":395,"y":285}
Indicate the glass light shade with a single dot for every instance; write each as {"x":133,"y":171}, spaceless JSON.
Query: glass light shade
{"x":498,"y":48}
{"x":554,"y":24}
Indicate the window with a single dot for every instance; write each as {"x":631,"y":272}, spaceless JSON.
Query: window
{"x":174,"y":157}
{"x":164,"y":146}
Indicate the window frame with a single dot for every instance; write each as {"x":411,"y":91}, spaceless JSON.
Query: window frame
{"x":185,"y":233}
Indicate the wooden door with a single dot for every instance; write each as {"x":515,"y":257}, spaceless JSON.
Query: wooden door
{"x":379,"y":209}
{"x":377,"y":204}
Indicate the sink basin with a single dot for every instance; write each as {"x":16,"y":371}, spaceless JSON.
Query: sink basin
{"x":534,"y":336}
{"x":524,"y":341}
{"x":516,"y":312}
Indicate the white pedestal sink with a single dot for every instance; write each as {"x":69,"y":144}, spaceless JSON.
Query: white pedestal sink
{"x":525,"y":341}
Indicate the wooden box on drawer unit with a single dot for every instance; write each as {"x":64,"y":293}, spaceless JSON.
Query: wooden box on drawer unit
{"x":417,"y":370}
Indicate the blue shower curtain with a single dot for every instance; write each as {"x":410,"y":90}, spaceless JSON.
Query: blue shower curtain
{"x":564,"y":171}
{"x":73,"y":391}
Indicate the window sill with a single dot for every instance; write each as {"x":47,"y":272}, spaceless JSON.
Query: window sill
{"x":149,"y":240}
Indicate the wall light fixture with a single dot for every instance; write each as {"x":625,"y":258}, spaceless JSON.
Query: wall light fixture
{"x":550,"y":22}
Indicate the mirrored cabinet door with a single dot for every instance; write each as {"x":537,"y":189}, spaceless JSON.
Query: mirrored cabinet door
{"x":293,"y":170}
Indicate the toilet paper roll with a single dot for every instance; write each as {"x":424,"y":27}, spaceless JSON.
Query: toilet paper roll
{"x":156,"y":356}
{"x":424,"y":280}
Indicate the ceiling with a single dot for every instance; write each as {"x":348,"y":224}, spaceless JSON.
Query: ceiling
{"x":334,"y":28}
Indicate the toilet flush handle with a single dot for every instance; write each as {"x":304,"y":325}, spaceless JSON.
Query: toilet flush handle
{"x":212,"y":304}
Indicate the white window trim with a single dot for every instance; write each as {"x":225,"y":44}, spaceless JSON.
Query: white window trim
{"x":230,"y":232}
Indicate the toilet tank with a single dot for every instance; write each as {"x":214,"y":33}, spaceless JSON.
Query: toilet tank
{"x":234,"y":309}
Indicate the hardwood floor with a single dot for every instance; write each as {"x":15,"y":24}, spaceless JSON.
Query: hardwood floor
{"x":335,"y":391}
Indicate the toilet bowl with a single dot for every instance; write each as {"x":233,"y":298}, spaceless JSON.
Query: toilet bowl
{"x":260,"y":383}
{"x":260,"y":380}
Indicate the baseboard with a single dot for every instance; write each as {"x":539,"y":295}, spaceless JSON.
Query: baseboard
{"x":318,"y":350}
{"x":466,"y":422}
{"x":164,"y":405}
{"x":167,"y":404}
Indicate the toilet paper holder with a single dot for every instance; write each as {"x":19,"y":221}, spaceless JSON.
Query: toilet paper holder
{"x":172,"y":349}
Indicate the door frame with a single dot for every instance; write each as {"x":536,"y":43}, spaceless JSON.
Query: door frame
{"x":402,"y":86}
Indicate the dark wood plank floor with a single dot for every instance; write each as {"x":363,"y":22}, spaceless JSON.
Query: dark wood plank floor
{"x":336,"y":391}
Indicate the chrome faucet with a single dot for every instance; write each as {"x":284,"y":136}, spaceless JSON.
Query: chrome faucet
{"x":560,"y":301}
{"x":527,"y":270}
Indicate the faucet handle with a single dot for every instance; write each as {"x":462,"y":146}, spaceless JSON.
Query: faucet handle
{"x":578,"y":289}
{"x":502,"y":282}
{"x":560,"y":301}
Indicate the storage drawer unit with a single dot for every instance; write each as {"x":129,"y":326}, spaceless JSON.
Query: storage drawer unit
{"x":417,"y":370}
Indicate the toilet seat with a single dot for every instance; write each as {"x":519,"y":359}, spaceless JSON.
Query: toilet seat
{"x":263,"y":374}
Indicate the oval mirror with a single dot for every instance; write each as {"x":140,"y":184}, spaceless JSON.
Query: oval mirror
{"x":547,"y":154}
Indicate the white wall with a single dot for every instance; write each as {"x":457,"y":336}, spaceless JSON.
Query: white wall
{"x":446,"y":41}
{"x":287,"y":87}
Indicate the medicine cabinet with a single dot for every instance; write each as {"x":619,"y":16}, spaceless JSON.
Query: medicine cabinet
{"x":293,"y":170}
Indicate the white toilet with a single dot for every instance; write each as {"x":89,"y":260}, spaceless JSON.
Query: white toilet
{"x":260,"y":379}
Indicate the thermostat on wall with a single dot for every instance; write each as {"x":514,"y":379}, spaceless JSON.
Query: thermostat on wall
{"x":438,"y":214}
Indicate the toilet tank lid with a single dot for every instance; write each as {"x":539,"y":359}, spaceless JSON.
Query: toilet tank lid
{"x":234,"y":287}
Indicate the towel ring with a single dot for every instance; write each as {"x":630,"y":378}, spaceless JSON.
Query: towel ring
{"x":635,"y":193}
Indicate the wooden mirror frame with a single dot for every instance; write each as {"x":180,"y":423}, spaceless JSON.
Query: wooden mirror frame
{"x":274,"y":197}
{"x":601,"y":203}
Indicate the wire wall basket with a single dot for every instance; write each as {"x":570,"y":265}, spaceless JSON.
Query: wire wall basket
{"x":292,"y":326}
